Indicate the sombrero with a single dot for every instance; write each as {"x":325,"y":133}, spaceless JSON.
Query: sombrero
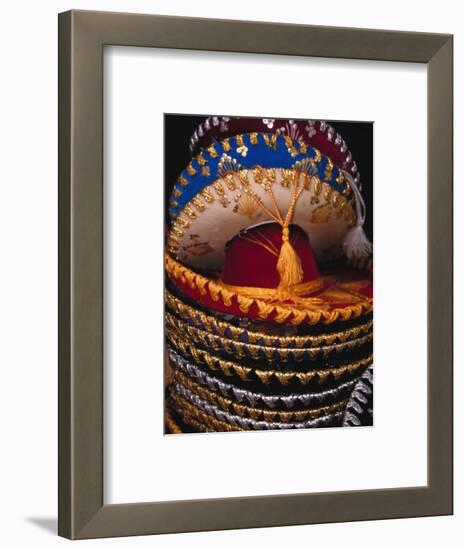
{"x":256,"y":178}
{"x":208,"y":415}
{"x":313,"y":133}
{"x":261,"y":280}
{"x":230,"y":347}
{"x":269,"y":376}
{"x":244,"y":330}
{"x":267,"y":325}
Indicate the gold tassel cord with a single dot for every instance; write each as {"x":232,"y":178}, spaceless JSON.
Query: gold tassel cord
{"x":288,"y":265}
{"x":280,"y":313}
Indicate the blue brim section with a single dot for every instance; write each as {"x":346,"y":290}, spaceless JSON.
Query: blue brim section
{"x":273,"y":152}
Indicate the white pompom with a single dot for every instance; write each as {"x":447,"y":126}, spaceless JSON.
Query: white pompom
{"x":356,"y":244}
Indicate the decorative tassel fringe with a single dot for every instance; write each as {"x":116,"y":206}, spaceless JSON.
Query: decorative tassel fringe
{"x":289,"y":266}
{"x":356,"y":244}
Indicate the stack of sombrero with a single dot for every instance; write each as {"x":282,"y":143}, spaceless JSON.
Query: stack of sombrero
{"x":268,"y":316}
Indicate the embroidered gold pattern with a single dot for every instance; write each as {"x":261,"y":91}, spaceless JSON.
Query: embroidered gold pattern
{"x":240,"y":349}
{"x":212,"y":324}
{"x":287,"y":177}
{"x":199,"y":205}
{"x":178,"y":232}
{"x":230,"y":183}
{"x":230,"y":368}
{"x":171,"y":424}
{"x":188,"y":210}
{"x":321,"y":214}
{"x":247,"y":206}
{"x":199,"y":249}
{"x":242,"y":150}
{"x":269,"y":415}
{"x":239,"y":141}
{"x":219,"y":188}
{"x":207,"y":195}
{"x":201,"y":160}
{"x":280,"y":314}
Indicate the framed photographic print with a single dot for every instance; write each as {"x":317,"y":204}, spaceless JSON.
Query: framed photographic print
{"x":283,"y":336}
{"x":255,"y":227}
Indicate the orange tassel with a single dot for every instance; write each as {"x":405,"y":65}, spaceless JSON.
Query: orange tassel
{"x":289,"y":266}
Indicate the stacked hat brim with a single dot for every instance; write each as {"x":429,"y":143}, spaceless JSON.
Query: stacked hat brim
{"x":231,"y":373}
{"x":238,"y":357}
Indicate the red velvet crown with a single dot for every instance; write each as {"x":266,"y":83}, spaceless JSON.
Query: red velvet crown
{"x":252,"y":256}
{"x":252,"y":284}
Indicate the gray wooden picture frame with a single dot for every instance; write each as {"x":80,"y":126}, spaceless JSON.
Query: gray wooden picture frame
{"x":82,"y":37}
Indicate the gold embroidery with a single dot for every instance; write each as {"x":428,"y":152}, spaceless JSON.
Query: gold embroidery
{"x":247,"y":206}
{"x":321,"y":214}
{"x":207,"y":195}
{"x":182,"y":222}
{"x":178,"y":232}
{"x":199,"y":249}
{"x":219,"y":188}
{"x":287,"y":177}
{"x":269,"y":415}
{"x":230,"y":183}
{"x":192,"y":215}
{"x":182,"y":181}
{"x":171,"y":424}
{"x":193,"y":415}
{"x":212,"y":152}
{"x":202,"y":161}
{"x":191,"y":170}
{"x":242,"y":150}
{"x":197,"y":202}
{"x":226,"y":145}
{"x":217,"y":343}
{"x":205,"y":171}
{"x":264,"y":310}
{"x":230,"y":368}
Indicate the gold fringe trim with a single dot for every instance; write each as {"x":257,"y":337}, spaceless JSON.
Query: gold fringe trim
{"x":241,"y":349}
{"x":171,"y":424}
{"x":229,"y":368}
{"x":189,"y":412}
{"x":279,"y":313}
{"x":269,"y":415}
{"x":212,"y":324}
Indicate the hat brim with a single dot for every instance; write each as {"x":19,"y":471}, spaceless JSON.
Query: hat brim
{"x":342,"y":297}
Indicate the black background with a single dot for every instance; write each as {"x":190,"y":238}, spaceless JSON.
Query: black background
{"x":358,"y":136}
